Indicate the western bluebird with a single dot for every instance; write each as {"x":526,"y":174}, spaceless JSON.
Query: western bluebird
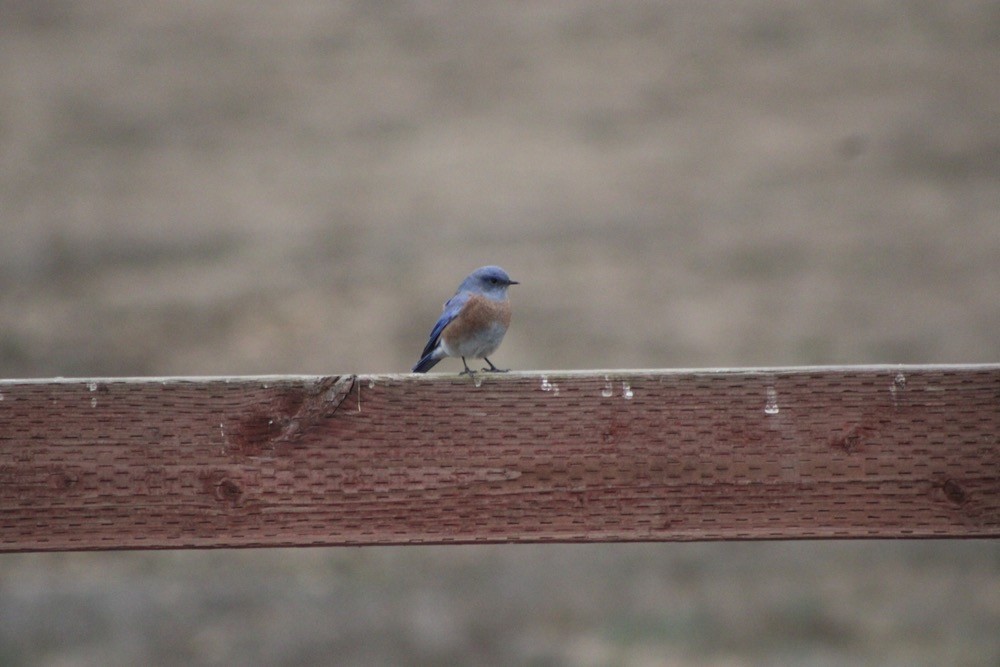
{"x":473,"y":322}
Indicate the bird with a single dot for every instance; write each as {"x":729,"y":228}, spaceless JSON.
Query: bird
{"x":473,"y":322}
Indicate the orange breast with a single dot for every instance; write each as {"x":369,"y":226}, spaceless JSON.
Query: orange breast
{"x":479,"y":327}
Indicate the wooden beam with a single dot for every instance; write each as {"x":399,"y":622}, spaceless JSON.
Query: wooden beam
{"x":900,"y":451}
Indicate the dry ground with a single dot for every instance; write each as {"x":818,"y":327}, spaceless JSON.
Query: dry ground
{"x":295,"y":187}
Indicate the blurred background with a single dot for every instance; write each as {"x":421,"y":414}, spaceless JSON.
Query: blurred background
{"x":198,"y":188}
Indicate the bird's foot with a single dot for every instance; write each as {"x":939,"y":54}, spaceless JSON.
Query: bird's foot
{"x":494,"y":369}
{"x":467,"y":371}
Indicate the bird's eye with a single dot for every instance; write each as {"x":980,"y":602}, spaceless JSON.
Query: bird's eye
{"x":493,"y":281}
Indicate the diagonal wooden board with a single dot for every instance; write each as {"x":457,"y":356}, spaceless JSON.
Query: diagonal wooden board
{"x":825,"y":452}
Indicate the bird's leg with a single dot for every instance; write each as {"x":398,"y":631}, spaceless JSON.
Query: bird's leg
{"x":467,"y":371}
{"x":494,"y":369}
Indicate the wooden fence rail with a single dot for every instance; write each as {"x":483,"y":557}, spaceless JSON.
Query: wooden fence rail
{"x":888,"y":451}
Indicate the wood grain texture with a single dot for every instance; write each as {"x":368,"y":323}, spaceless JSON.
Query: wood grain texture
{"x":525,"y":457}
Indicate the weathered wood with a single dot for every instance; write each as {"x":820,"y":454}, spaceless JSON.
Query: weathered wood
{"x":525,"y":457}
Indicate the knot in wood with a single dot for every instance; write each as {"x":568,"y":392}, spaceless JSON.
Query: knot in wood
{"x":228,"y":491}
{"x":954,"y":492}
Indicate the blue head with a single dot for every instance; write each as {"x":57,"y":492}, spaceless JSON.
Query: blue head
{"x":491,"y":281}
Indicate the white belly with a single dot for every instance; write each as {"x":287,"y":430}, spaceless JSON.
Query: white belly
{"x":480,"y":345}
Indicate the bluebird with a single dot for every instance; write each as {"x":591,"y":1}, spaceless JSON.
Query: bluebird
{"x":473,"y":323}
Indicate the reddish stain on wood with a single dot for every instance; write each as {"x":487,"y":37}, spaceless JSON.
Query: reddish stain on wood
{"x":810,"y":453}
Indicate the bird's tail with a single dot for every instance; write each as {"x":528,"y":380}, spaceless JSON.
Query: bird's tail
{"x":426,"y":363}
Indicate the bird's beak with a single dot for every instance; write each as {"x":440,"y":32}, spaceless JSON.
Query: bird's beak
{"x":513,"y":282}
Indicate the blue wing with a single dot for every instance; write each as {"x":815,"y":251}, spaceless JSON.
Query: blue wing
{"x":451,"y":309}
{"x":431,"y":354}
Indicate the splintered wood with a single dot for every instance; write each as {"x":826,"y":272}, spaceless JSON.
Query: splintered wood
{"x":852,"y":452}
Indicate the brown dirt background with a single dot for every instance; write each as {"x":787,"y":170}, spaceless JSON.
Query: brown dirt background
{"x":295,"y":187}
